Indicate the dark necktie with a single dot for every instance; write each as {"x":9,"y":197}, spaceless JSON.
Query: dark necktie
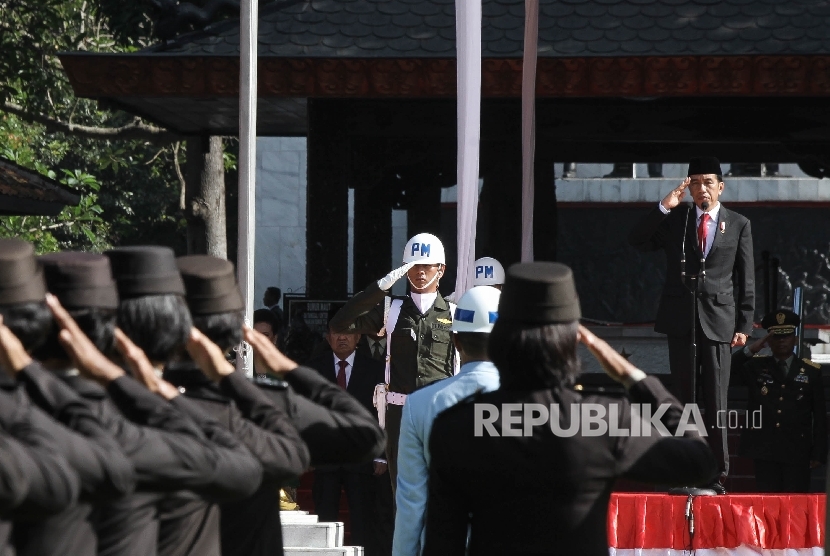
{"x":341,"y":374}
{"x":702,"y":232}
{"x":377,"y":351}
{"x":782,"y":366}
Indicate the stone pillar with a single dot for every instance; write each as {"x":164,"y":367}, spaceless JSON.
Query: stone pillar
{"x":327,"y":221}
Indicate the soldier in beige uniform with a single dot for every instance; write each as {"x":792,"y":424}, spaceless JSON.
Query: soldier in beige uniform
{"x":419,"y":347}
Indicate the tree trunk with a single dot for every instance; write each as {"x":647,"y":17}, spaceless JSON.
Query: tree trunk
{"x":205,"y":197}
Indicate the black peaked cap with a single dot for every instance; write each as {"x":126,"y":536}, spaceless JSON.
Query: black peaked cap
{"x":80,"y":280}
{"x":145,"y":270}
{"x":211,"y":285}
{"x":539,"y":293}
{"x":781,"y":322}
{"x":21,"y":277}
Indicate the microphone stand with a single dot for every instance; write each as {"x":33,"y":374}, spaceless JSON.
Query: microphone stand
{"x":695,"y":291}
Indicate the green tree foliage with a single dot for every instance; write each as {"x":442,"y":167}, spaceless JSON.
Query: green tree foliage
{"x":124,"y":168}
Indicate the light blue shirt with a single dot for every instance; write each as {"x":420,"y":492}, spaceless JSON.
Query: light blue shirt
{"x":419,"y":412}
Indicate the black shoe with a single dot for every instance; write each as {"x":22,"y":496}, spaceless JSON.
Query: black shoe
{"x":717,"y":487}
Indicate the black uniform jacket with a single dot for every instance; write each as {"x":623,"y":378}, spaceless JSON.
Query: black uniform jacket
{"x":547,"y":493}
{"x":421,"y":349}
{"x":336,"y":428}
{"x":36,"y":480}
{"x":169,"y":452}
{"x":244,"y":411}
{"x":727,"y":296}
{"x":93,"y":453}
{"x":786,"y":415}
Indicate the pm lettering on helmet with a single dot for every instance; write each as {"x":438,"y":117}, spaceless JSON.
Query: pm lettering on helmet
{"x":486,"y":270}
{"x":423,"y":248}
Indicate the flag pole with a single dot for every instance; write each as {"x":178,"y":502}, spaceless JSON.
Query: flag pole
{"x":248,"y":23}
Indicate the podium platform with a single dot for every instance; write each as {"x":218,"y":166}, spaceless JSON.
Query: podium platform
{"x":644,"y":524}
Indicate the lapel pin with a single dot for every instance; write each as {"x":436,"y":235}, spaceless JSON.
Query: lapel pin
{"x":723,"y":227}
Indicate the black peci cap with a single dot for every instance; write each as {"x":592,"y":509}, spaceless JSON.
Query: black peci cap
{"x":704,"y":165}
{"x":145,"y":270}
{"x":211,"y":285}
{"x":21,"y":277}
{"x":539,"y":293}
{"x":80,"y":280}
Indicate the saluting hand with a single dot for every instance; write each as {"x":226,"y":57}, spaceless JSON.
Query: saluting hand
{"x":389,"y":280}
{"x":758,"y":345}
{"x":89,"y":361}
{"x":616,"y":366}
{"x":208,"y":356}
{"x":266,"y":354}
{"x":141,"y":367}
{"x":13,"y":356}
{"x":675,"y":195}
{"x":739,"y":339}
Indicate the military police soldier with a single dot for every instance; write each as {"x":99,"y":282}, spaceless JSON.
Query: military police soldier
{"x":789,"y":435}
{"x":419,"y":339}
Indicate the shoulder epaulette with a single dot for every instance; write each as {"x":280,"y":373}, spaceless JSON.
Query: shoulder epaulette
{"x":811,"y":363}
{"x":270,"y":382}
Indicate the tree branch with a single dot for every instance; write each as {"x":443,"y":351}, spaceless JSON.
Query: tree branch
{"x":134,"y":130}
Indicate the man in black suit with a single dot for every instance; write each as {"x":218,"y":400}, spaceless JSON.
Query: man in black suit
{"x":718,"y":241}
{"x":358,"y":374}
{"x":554,"y":479}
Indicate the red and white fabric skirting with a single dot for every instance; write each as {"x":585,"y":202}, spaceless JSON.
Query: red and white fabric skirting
{"x":641,"y":524}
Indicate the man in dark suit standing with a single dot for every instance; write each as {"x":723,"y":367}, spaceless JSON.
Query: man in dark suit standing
{"x":717,"y":246}
{"x":358,"y":374}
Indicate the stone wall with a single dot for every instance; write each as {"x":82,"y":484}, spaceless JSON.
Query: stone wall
{"x":280,"y":215}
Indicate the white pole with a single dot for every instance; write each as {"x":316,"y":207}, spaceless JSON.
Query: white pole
{"x":248,"y":20}
{"x":531,"y":43}
{"x":468,"y":48}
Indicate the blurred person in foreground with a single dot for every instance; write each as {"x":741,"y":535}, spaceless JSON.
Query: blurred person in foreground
{"x":555,"y":478}
{"x":472,"y":322}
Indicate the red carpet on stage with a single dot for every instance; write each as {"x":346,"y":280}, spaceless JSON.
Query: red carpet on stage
{"x":657,"y":524}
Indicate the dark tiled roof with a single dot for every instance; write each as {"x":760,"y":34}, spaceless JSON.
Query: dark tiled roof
{"x":567,"y":28}
{"x":23,"y":191}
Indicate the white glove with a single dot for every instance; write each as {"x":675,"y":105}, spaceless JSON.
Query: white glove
{"x":387,"y":281}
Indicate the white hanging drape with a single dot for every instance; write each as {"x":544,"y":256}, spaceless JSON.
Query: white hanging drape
{"x":529,"y":123}
{"x":468,"y":47}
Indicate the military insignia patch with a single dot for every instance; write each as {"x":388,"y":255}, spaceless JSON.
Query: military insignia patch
{"x":780,"y":318}
{"x":802,"y":378}
{"x":764,"y":390}
{"x":445,"y":321}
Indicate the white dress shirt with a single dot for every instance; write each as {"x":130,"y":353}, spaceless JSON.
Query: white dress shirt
{"x":350,"y":363}
{"x":711,"y":226}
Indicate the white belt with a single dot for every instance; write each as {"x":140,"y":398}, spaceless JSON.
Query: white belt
{"x":395,"y":398}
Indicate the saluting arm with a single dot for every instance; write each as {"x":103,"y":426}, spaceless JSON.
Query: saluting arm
{"x":353,"y":433}
{"x":673,"y":460}
{"x":36,"y":479}
{"x":363,"y":313}
{"x":106,"y":472}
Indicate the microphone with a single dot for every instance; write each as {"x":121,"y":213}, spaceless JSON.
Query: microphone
{"x":703,"y":206}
